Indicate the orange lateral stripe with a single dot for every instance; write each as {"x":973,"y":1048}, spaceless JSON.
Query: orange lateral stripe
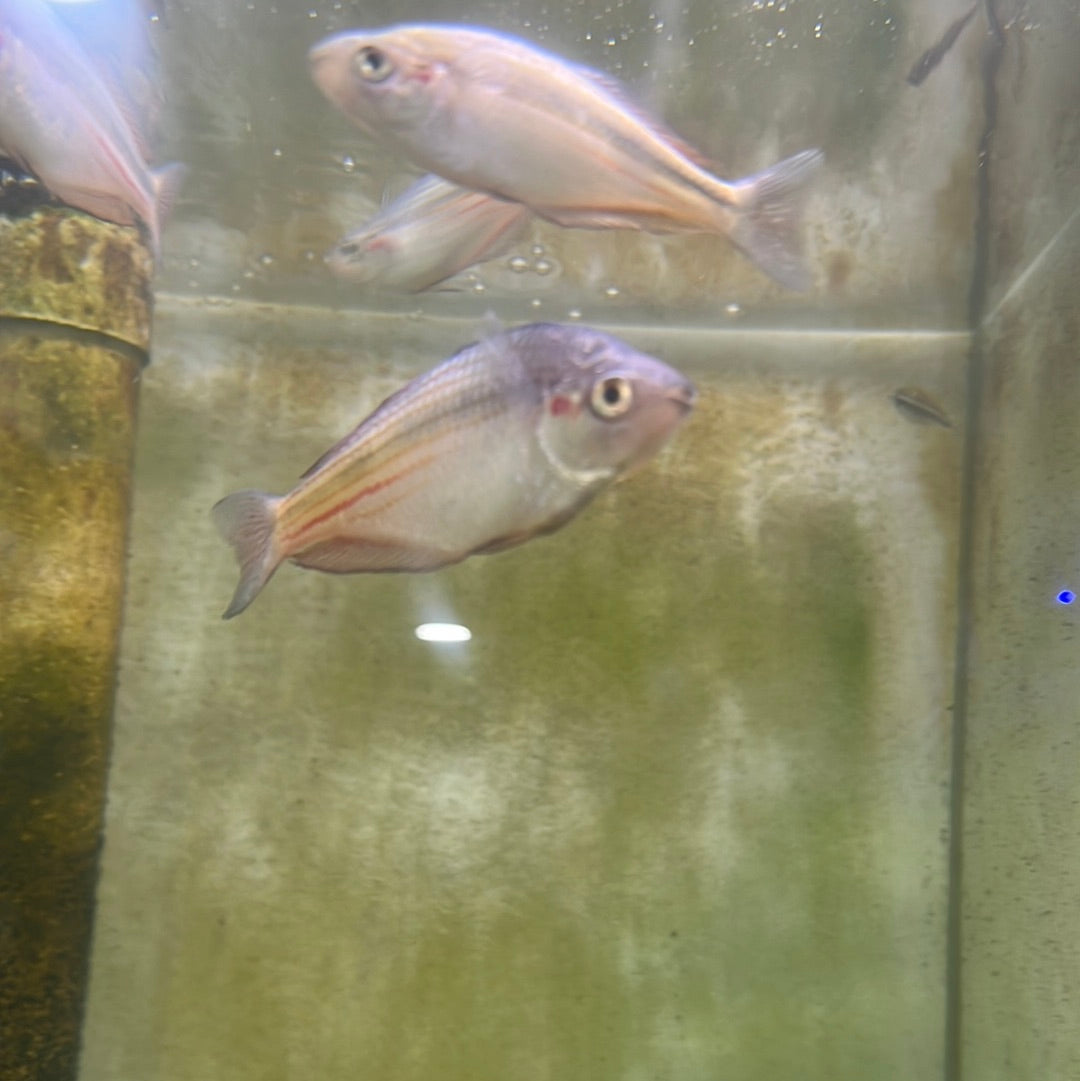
{"x":349,"y":501}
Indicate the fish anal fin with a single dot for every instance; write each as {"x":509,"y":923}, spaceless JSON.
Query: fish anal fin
{"x":352,"y":555}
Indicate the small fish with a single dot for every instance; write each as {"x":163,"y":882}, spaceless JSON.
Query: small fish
{"x":433,"y":230}
{"x":506,"y":440}
{"x":933,"y":56}
{"x":494,"y":113}
{"x":916,"y":405}
{"x":60,"y":120}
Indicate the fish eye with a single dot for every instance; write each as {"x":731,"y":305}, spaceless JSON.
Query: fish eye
{"x":349,"y":250}
{"x":372,"y":65}
{"x":611,"y":397}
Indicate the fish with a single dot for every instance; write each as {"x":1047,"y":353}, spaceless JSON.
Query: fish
{"x":60,"y":120}
{"x":934,"y":55}
{"x":506,"y":440}
{"x":430,"y":232}
{"x":496,"y":114}
{"x":918,"y":406}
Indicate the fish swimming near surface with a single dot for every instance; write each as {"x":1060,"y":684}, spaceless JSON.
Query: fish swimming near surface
{"x":60,"y":119}
{"x":494,"y":113}
{"x":430,"y":232}
{"x":506,"y":440}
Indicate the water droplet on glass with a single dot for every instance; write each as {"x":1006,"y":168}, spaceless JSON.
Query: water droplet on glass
{"x":265,"y":259}
{"x":534,"y":303}
{"x":278,"y":152}
{"x":611,"y":291}
{"x":478,"y":287}
{"x":348,"y":163}
{"x":519,"y":264}
{"x":574,"y":313}
{"x":732,"y":308}
{"x":543,"y":266}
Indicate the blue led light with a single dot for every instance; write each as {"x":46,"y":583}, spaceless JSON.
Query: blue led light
{"x":1066,"y":596}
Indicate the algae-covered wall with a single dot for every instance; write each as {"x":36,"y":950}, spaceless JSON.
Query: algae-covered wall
{"x":676,"y":810}
{"x":1020,"y":933}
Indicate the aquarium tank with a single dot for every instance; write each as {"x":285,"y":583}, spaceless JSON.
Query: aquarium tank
{"x":743,"y":746}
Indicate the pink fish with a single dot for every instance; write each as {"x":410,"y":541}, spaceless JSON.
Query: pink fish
{"x":433,"y":230}
{"x":506,"y":440}
{"x":494,"y":113}
{"x":60,"y":119}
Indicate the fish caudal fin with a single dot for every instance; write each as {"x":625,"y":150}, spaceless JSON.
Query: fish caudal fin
{"x":248,"y":521}
{"x":769,"y":223}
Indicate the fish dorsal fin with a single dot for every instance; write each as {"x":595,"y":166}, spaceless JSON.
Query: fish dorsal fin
{"x":613,"y":89}
{"x":358,"y":433}
{"x":491,"y":326}
{"x":395,"y":189}
{"x":487,"y":62}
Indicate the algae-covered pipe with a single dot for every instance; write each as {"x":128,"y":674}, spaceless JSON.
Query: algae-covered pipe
{"x":74,"y":331}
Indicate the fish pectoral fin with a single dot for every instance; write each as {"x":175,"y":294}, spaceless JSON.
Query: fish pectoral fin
{"x":345,"y":555}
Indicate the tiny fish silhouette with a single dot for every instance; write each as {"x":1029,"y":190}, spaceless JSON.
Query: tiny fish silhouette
{"x":933,"y":56}
{"x":494,"y":113}
{"x":918,"y":406}
{"x":506,"y":440}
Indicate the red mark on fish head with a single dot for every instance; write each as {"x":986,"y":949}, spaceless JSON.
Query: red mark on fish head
{"x":561,"y":405}
{"x":422,"y":74}
{"x":381,"y":243}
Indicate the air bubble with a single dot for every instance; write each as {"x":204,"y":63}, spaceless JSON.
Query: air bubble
{"x":543,"y":266}
{"x":611,"y":291}
{"x":348,"y":163}
{"x":518,"y":264}
{"x":278,"y":152}
{"x":732,"y":309}
{"x":265,"y":259}
{"x":574,"y":313}
{"x":534,"y":303}
{"x":537,"y":249}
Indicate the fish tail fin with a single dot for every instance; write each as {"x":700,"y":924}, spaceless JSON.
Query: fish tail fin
{"x":248,"y":521}
{"x":166,"y":183}
{"x":768,"y":226}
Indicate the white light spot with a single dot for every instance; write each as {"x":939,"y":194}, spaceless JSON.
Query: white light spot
{"x":443,"y":632}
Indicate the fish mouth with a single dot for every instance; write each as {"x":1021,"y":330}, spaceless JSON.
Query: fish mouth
{"x":683,"y":395}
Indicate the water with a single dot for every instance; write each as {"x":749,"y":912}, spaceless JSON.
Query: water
{"x":705,"y":794}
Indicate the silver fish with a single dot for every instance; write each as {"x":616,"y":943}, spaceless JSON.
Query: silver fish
{"x":506,"y":440}
{"x":433,"y":230}
{"x":496,"y":114}
{"x":60,"y":120}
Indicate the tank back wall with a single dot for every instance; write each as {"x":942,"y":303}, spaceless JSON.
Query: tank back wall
{"x":676,"y":809}
{"x":680,"y":807}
